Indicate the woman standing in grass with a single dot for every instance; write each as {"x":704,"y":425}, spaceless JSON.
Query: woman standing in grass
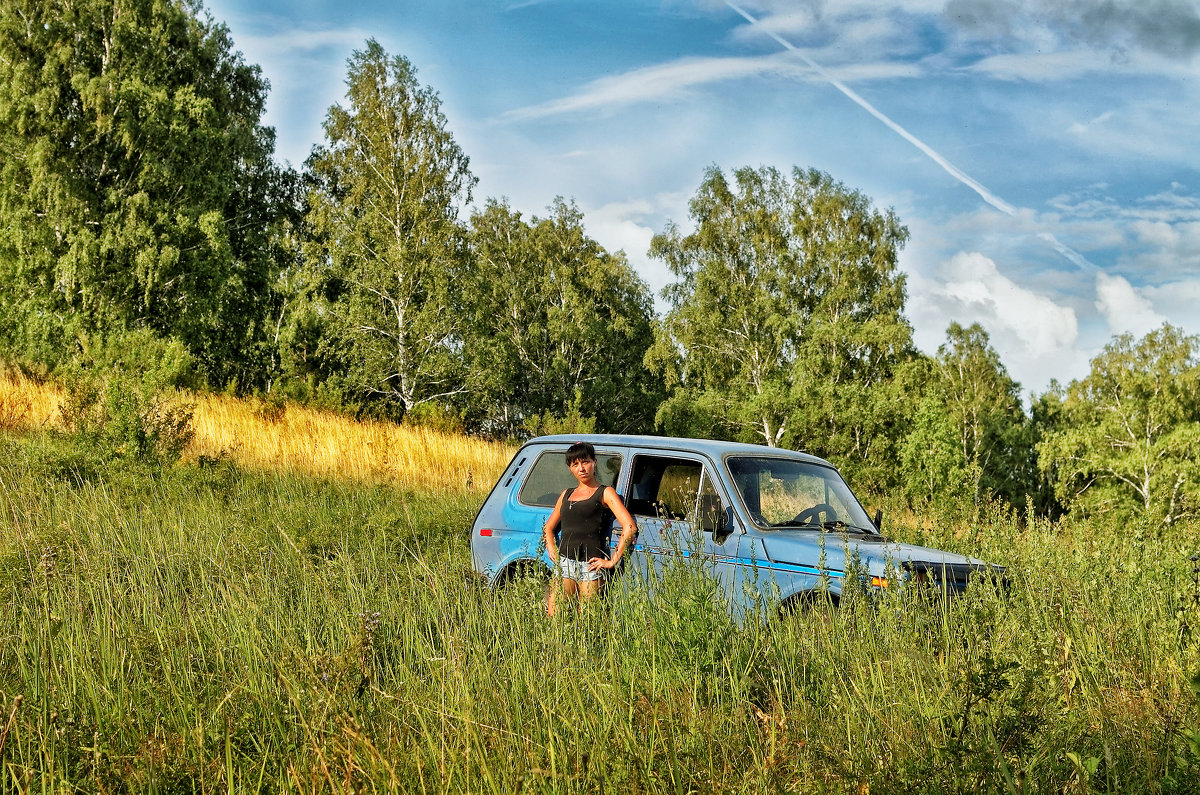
{"x":581,"y":553}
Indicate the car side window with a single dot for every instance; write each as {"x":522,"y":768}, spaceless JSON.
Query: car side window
{"x":664,"y":487}
{"x":549,"y":475}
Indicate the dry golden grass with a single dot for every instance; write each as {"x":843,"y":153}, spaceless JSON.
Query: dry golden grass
{"x":326,"y":443}
{"x":299,"y":439}
{"x":27,"y":404}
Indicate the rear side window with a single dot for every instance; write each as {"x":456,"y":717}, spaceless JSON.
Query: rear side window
{"x":549,"y":476}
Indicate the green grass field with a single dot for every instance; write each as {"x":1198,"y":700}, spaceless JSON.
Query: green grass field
{"x":209,"y":629}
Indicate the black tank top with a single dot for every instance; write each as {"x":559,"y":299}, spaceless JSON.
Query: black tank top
{"x":584,"y":526}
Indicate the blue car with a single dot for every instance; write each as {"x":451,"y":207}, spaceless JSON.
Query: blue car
{"x":776,"y":527}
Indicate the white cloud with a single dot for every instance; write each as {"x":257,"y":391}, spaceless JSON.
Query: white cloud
{"x":838,"y":33}
{"x":1048,"y":66}
{"x":290,"y":42}
{"x":1036,"y":337}
{"x":1177,"y":300}
{"x":620,"y":225}
{"x":1082,"y":128}
{"x":673,"y":82}
{"x":1157,"y":233}
{"x":1125,"y":308}
{"x":1041,"y":325}
{"x":662,"y":81}
{"x":1166,"y":250}
{"x":1176,"y":198}
{"x":306,"y":68}
{"x":629,"y":226}
{"x":1145,"y":108}
{"x":1167,"y":28}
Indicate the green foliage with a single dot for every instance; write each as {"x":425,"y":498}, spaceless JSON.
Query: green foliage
{"x":132,"y":412}
{"x":435,"y":417}
{"x":1127,"y":436}
{"x":137,"y":188}
{"x":166,"y":361}
{"x":688,"y":412}
{"x":786,"y":317}
{"x":970,"y":436}
{"x":385,"y":236}
{"x":1187,"y":611}
{"x":555,"y":319}
{"x":573,"y":420}
{"x":932,"y":464}
{"x":306,"y":372}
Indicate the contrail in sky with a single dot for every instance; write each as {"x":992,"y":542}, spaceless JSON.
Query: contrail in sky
{"x":951,"y":169}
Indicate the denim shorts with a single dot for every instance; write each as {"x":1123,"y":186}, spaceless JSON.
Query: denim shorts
{"x":577,"y":570}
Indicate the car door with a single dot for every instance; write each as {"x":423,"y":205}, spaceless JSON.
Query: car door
{"x":683,"y":520}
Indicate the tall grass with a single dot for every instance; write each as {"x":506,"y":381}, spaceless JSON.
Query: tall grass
{"x":266,"y":435}
{"x":219,"y":629}
{"x":26,"y":404}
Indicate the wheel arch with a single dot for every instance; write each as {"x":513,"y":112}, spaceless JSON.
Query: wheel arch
{"x":518,"y":567}
{"x":803,"y":601}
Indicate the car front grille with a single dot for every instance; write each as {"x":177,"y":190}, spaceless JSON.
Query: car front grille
{"x":952,"y":577}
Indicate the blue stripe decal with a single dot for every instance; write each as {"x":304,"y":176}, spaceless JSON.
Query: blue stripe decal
{"x":797,"y":568}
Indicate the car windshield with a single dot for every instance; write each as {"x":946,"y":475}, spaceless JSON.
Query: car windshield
{"x":782,"y":492}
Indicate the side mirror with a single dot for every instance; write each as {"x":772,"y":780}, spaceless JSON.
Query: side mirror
{"x":879,"y":519}
{"x":713,"y":518}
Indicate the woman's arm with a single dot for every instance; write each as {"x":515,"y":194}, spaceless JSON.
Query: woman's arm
{"x":548,"y":528}
{"x":628,"y":528}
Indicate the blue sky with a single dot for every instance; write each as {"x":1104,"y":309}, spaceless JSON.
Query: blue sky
{"x":1043,"y":155}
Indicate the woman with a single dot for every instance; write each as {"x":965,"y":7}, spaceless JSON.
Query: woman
{"x":581,"y":553}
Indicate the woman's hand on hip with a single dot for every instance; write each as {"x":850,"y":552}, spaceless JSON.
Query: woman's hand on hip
{"x":597,"y":563}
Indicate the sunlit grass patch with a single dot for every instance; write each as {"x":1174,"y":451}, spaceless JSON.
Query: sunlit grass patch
{"x":25,"y":403}
{"x":324,"y":443}
{"x":298,"y":439}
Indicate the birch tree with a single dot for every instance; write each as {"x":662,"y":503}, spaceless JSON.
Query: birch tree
{"x":559,"y":325}
{"x":785,"y":322}
{"x":970,"y":435}
{"x":389,"y":185}
{"x":1127,"y":437}
{"x":137,"y":186}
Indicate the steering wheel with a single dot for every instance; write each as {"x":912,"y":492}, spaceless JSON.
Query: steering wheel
{"x":809,"y":515}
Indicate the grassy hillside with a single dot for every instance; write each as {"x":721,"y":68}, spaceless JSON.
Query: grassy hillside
{"x":233,"y":628}
{"x":259,"y":435}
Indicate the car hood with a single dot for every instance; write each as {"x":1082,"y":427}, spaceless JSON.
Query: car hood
{"x":874,"y":553}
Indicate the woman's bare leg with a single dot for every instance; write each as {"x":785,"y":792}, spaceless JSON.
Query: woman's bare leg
{"x":588,"y":590}
{"x":569,"y":590}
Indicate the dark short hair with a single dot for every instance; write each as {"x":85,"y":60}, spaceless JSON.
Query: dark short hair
{"x":580,"y":451}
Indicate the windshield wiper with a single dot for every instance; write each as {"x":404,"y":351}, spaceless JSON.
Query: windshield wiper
{"x":838,"y":524}
{"x":830,"y":525}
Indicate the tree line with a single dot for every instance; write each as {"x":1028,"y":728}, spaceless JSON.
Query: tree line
{"x":146,"y":224}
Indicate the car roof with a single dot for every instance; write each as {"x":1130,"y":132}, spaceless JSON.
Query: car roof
{"x":710,"y":447}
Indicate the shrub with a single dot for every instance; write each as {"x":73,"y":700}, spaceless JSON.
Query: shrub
{"x":130,"y":412}
{"x":572,"y":421}
{"x":435,"y":418}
